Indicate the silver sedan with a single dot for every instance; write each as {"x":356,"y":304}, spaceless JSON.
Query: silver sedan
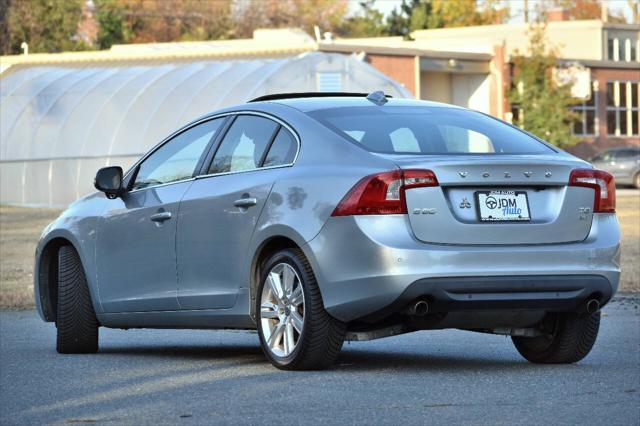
{"x":622,"y":163}
{"x":317,"y":219}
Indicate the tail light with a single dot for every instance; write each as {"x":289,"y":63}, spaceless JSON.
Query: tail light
{"x":383,"y":193}
{"x":603,"y":184}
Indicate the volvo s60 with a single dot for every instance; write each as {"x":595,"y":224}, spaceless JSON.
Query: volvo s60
{"x":316,"y":219}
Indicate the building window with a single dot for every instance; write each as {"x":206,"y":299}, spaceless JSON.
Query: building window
{"x":329,"y":82}
{"x":623,"y":114}
{"x":610,"y":49}
{"x":622,"y":49}
{"x":585,"y":124}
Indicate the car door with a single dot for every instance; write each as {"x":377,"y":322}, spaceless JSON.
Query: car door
{"x":221,"y":208}
{"x":604,"y":161}
{"x":135,"y":255}
{"x":625,"y":164}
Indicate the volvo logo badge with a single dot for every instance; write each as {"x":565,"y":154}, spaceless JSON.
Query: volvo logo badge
{"x":465,"y":204}
{"x":528,"y":174}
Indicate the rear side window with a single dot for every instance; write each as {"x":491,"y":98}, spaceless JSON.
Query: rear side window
{"x":244,"y":144}
{"x":428,"y":130}
{"x":176,"y":159}
{"x":283,"y":149}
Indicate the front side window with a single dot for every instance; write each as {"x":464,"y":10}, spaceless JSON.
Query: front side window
{"x":177,"y":159}
{"x":427,"y":130}
{"x":244,"y":144}
{"x":623,"y":113}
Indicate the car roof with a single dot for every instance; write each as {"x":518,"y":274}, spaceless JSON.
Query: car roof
{"x":312,"y":103}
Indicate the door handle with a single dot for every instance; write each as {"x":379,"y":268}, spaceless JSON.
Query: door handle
{"x":161,"y":217}
{"x":245,"y":202}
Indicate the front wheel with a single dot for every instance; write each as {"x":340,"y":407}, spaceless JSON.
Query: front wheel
{"x":296,"y":333}
{"x":570,"y":338}
{"x":76,"y":323}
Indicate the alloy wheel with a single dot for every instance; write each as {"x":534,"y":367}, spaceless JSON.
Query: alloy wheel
{"x":282,"y":310}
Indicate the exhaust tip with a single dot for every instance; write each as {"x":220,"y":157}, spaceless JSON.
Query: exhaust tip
{"x":420,"y":308}
{"x":592,"y":306}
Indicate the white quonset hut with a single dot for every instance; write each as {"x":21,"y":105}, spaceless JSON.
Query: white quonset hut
{"x":59,"y":123}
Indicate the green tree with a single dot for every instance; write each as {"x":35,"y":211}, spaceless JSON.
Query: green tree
{"x":46,"y":25}
{"x":581,"y":9}
{"x":111,"y":23}
{"x":248,"y":15}
{"x":409,"y":16}
{"x":5,"y":43}
{"x":543,"y":105}
{"x":368,"y":22}
{"x":415,"y":15}
{"x":462,"y":13}
{"x":145,"y":21}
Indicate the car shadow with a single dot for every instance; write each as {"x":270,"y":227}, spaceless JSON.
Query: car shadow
{"x":356,"y":360}
{"x":364,"y":360}
{"x":194,"y":352}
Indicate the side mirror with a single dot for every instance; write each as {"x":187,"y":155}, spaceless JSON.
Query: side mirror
{"x":109,"y":181}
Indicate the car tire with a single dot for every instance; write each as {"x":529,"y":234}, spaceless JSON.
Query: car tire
{"x":77,"y":326}
{"x":636,"y":180}
{"x":321,"y":336}
{"x":571,"y":339}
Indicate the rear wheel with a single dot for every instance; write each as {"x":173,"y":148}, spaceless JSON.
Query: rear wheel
{"x":571,"y":337}
{"x":77,"y":326}
{"x":295,"y":331}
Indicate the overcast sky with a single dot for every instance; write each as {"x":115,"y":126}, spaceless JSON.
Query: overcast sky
{"x":517,"y":7}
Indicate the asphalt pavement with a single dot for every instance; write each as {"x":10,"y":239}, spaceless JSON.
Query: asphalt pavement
{"x":627,"y":192}
{"x":211,"y":377}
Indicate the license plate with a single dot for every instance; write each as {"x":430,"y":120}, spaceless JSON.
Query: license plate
{"x":503,"y":206}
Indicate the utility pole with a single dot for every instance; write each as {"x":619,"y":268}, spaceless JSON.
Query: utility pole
{"x":526,"y":11}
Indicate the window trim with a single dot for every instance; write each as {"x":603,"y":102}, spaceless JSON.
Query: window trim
{"x":212,"y":147}
{"x":281,"y":123}
{"x":582,"y":109}
{"x":622,"y":109}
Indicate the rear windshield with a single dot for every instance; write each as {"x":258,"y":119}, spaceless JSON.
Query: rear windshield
{"x":427,"y":130}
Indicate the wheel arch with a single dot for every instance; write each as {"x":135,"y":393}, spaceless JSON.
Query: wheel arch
{"x":264,"y":251}
{"x":46,"y":277}
{"x":634,"y":176}
{"x":46,"y":272}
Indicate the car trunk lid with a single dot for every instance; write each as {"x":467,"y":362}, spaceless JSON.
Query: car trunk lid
{"x":451,"y":213}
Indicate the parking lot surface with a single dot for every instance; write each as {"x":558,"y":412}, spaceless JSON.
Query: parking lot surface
{"x":431,"y":377}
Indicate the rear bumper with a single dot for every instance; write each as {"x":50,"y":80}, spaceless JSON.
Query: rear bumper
{"x":551,"y":293}
{"x":368,"y":267}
